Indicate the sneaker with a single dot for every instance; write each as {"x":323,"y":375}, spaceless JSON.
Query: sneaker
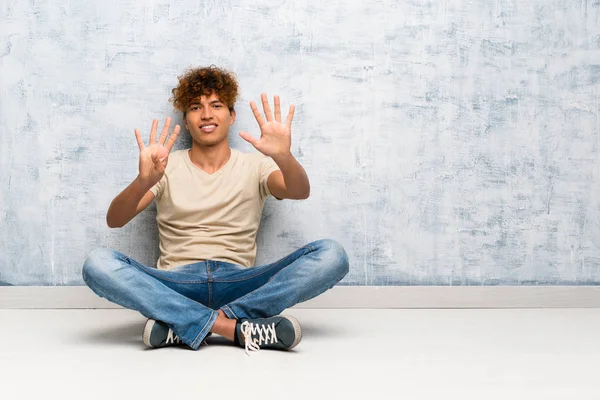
{"x":158,"y":334}
{"x":279,"y":332}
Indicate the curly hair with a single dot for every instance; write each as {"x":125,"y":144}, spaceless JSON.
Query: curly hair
{"x":196,"y":82}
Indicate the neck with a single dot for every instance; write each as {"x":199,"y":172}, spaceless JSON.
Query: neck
{"x":210,"y":158}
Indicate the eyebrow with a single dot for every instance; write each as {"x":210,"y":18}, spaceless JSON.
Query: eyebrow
{"x":212,"y":102}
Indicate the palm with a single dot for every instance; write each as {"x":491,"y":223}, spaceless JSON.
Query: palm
{"x":275,"y":136}
{"x":154,"y":157}
{"x":153,"y":161}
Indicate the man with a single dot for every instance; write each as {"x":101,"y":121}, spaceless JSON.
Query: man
{"x":209,"y":202}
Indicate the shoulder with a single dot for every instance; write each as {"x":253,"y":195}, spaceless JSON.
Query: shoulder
{"x":178,"y":154}
{"x":248,"y":157}
{"x":254,"y":158}
{"x":176,"y":161}
{"x":177,"y":157}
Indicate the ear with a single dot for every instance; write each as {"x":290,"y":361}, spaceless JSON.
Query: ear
{"x":232,"y":117}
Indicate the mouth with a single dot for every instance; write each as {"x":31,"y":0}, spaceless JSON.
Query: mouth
{"x":208,"y":128}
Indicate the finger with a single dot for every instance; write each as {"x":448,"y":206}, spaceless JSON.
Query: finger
{"x":277,"y":109}
{"x":160,"y":154}
{"x":138,"y":137}
{"x":153,"y":132}
{"x":290,"y":116}
{"x":259,"y":118}
{"x":173,"y":138}
{"x":266,"y":107}
{"x":165,"y":131}
{"x":249,"y":138}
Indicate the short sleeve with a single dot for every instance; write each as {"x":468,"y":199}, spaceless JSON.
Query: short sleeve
{"x":266,"y":167}
{"x":158,"y":189}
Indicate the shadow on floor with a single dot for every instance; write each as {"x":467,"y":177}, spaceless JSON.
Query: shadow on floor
{"x":119,"y":335}
{"x":130,"y":334}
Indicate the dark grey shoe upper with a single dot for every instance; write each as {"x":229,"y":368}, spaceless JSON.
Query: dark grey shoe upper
{"x":261,"y":332}
{"x":159,"y":335}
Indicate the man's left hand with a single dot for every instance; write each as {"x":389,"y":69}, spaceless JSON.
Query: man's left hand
{"x":275,"y":137}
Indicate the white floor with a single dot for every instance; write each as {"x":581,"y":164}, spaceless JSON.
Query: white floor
{"x":369,"y":354}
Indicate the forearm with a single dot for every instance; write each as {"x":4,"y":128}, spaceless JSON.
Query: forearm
{"x":294,"y":176}
{"x":125,"y":206}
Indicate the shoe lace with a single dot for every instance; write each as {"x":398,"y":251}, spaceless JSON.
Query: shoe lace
{"x":256,"y":335}
{"x":172,"y":338}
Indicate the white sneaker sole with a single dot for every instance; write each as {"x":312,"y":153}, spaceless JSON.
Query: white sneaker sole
{"x":297,"y":330}
{"x":147,"y":331}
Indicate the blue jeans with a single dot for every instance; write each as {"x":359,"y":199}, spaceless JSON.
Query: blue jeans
{"x":187,"y":298}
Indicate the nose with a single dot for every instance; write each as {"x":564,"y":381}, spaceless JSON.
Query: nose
{"x":206,"y":113}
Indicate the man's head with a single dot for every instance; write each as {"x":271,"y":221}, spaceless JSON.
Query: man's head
{"x":206,"y":96}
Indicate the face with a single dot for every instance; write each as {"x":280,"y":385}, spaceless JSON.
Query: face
{"x":208,"y":120}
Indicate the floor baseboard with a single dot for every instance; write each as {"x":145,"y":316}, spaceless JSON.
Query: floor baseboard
{"x":56,"y":297}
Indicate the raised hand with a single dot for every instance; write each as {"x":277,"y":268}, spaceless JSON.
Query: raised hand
{"x":275,"y":136}
{"x":154,"y":157}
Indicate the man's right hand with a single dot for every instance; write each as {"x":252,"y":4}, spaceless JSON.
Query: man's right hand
{"x":154,"y":157}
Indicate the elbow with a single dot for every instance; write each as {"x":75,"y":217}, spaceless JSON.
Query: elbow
{"x":111,"y":223}
{"x":304,"y":195}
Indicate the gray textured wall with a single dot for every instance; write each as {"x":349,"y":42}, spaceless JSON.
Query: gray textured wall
{"x":448,"y":142}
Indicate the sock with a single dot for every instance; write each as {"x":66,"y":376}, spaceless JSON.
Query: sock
{"x":238,"y":333}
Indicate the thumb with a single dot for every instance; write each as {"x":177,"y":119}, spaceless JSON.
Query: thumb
{"x":249,"y":138}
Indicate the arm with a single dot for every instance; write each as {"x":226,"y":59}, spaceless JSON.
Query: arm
{"x":153,"y":162}
{"x":129,"y":203}
{"x":291,"y":182}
